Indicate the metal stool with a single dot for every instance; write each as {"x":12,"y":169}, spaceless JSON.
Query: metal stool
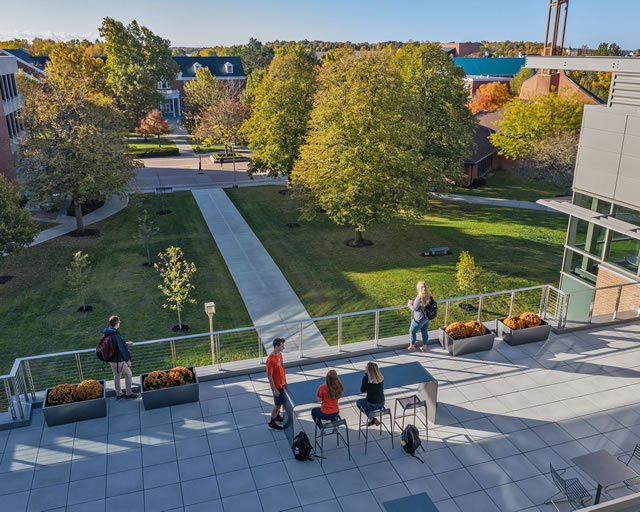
{"x":407,"y":404}
{"x":378,"y":414}
{"x":327,"y":429}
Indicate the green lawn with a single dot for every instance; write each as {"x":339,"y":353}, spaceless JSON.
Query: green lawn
{"x":205,"y":148}
{"x":166,"y":146}
{"x":38,"y":311}
{"x":516,"y":248}
{"x":506,"y":184}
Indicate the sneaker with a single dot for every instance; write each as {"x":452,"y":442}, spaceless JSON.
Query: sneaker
{"x":411,"y":347}
{"x":274,"y":426}
{"x":423,"y":348}
{"x":133,"y":395}
{"x":279,"y":419}
{"x":120,"y":397}
{"x":371,"y":422}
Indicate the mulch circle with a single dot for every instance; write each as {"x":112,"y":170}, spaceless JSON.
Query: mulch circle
{"x":177,"y":328}
{"x":163,"y":212}
{"x":85,"y":309}
{"x":292,"y":225}
{"x":5,"y":279}
{"x":356,"y":245}
{"x":84,"y":233}
{"x":285,"y":192}
{"x":146,"y":264}
{"x":466,"y":306}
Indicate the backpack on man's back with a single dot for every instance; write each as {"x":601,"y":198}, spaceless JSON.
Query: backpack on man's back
{"x":105,"y":350}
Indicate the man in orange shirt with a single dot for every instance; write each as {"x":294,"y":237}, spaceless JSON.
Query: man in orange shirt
{"x":277,"y":380}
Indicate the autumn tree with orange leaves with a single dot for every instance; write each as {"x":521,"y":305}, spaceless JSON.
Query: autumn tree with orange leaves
{"x":490,"y":97}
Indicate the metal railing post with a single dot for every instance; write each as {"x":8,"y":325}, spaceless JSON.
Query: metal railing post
{"x":480,"y":308}
{"x":339,"y":334}
{"x":377,"y":329}
{"x":544,"y":300}
{"x":260,"y":353}
{"x":615,"y":311}
{"x":79,"y":366}
{"x":513,"y":299}
{"x":18,"y":400}
{"x":218,"y":352}
{"x":593,"y":300}
{"x":12,"y":406}
{"x":172,"y":344}
{"x":24,"y":384}
{"x":446,"y":314}
{"x":300,"y":340}
{"x":565,"y":309}
{"x":30,"y":378}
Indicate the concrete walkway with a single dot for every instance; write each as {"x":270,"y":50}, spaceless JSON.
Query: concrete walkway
{"x":265,"y":291}
{"x":509,"y":203}
{"x":67,"y":224}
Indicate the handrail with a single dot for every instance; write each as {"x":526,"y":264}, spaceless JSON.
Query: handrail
{"x":17,"y":362}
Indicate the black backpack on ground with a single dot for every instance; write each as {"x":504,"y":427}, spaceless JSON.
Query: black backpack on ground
{"x":410,"y":441}
{"x":301,"y":447}
{"x":431,"y":309}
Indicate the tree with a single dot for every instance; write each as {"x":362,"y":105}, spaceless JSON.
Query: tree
{"x":17,"y":229}
{"x":74,"y":145}
{"x":518,"y":79}
{"x":154,"y":124}
{"x":254,"y":55}
{"x":199,"y":95}
{"x":78,"y":273}
{"x":281,"y":107}
{"x":137,"y":60}
{"x":147,"y":229}
{"x":361,"y":161}
{"x":467,"y":273}
{"x":26,"y":84}
{"x":490,"y":97}
{"x":597,"y":83}
{"x":176,"y":274}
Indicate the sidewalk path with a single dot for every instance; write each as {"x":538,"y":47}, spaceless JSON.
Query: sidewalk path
{"x":509,"y":203}
{"x":68,"y":224}
{"x":265,"y":291}
{"x":184,"y":147}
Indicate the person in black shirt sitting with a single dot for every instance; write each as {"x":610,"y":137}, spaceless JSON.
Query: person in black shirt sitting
{"x":372,"y":384}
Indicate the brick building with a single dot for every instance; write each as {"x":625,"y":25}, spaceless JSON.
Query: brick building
{"x":460,"y":49}
{"x":10,"y":109}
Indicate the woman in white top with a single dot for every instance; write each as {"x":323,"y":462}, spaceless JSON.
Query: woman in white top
{"x":419,"y":319}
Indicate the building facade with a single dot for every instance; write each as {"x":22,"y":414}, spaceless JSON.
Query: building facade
{"x":10,"y":108}
{"x":602,"y":246}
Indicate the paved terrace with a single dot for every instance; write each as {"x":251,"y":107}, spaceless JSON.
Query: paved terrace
{"x":503,"y":416}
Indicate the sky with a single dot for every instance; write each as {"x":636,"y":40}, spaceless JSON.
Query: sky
{"x":199,"y":23}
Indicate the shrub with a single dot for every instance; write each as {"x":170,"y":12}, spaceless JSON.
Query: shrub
{"x":180,"y":375}
{"x":475,"y":328}
{"x":457,"y":330}
{"x":87,"y":390}
{"x":530,"y":319}
{"x":514,"y":322}
{"x":61,"y":394}
{"x":156,"y":380}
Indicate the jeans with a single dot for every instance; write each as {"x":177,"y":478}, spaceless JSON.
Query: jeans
{"x":423,"y":326}
{"x":365,"y":406}
{"x":120,"y":369}
{"x":317,"y":415}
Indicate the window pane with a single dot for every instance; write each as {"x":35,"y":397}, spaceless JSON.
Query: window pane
{"x":586,"y":236}
{"x":591,"y":203}
{"x":624,"y":252}
{"x":581,"y":266}
{"x":627,"y":215}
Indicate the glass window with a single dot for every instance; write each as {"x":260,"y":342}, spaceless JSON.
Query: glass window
{"x":591,"y":203}
{"x":627,"y":215}
{"x":624,"y":252}
{"x":586,"y":236}
{"x":580,"y":266}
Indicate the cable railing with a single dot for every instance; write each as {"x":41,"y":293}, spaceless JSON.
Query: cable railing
{"x":225,"y":349}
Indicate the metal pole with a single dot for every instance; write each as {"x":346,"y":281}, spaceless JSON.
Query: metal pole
{"x":12,"y":406}
{"x":591,"y":305}
{"x":260,"y":353}
{"x":173,"y":351}
{"x":377,"y":329}
{"x":446,"y":314}
{"x":18,"y":400}
{"x":565,"y":307}
{"x":79,"y":365}
{"x":30,"y":377}
{"x":615,"y":311}
{"x":480,"y":308}
{"x":213,"y":349}
{"x":513,"y":298}
{"x":300,"y":341}
{"x":218,"y":351}
{"x":24,"y":384}
{"x":339,"y":334}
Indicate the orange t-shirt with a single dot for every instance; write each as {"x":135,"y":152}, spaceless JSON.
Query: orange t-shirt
{"x":275,"y":366}
{"x":329,"y":405}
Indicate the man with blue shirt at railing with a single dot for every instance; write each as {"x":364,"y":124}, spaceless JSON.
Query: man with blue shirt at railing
{"x":121,"y":364}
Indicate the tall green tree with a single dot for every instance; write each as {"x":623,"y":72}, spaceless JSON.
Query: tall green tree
{"x":519,"y":78}
{"x":17,"y":229}
{"x":74,"y":145}
{"x":362,"y":161}
{"x":281,"y":107}
{"x":438,"y":108}
{"x":78,"y":274}
{"x":200,"y":95}
{"x":597,"y":83}
{"x":254,"y":55}
{"x":137,"y":60}
{"x":467,"y":273}
{"x":176,"y":284}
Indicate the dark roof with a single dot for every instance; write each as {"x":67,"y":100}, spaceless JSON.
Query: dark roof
{"x":448,"y":50}
{"x":506,"y":66}
{"x":490,"y":119}
{"x":215,"y":65}
{"x":24,"y":55}
{"x":484,"y":148}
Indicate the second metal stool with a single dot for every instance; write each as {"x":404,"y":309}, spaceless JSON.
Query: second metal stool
{"x":408,"y":404}
{"x":379,"y":415}
{"x":327,"y":429}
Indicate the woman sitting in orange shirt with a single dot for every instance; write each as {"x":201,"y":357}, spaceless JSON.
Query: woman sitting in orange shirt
{"x":329,"y":393}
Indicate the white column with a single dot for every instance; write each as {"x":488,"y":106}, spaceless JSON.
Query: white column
{"x":179,"y":113}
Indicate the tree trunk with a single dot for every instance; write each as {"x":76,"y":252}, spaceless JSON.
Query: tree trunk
{"x":359,"y":240}
{"x":158,"y":140}
{"x":82,"y":296}
{"x":145,"y":137}
{"x":179,"y":320}
{"x":77,"y":210}
{"x":148,"y":255}
{"x":226,"y":150}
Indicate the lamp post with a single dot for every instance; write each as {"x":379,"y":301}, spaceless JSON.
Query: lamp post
{"x":210,"y":310}
{"x":199,"y":160}
{"x":233,"y":159}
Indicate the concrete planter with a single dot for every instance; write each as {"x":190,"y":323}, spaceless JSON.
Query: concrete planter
{"x":75,"y":411}
{"x":466,"y":345}
{"x":170,"y":396}
{"x":521,"y":336}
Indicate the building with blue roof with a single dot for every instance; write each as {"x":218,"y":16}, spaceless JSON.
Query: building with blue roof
{"x":481,"y":71}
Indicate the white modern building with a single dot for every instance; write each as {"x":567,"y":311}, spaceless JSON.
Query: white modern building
{"x":10,"y":109}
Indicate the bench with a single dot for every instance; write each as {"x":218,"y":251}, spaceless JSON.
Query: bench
{"x":164,"y":190}
{"x":439,"y":251}
{"x":395,"y":376}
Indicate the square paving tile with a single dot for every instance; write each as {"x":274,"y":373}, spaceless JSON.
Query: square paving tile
{"x":88,"y":506}
{"x":88,"y":467}
{"x":192,"y":447}
{"x":163,"y":498}
{"x":200,"y":490}
{"x":160,"y":475}
{"x":158,"y":454}
{"x":429,"y":484}
{"x":538,"y":488}
{"x":207,"y":506}
{"x":47,"y":498}
{"x":458,"y":482}
{"x":489,"y":474}
{"x":264,"y":453}
{"x":45,"y":476}
{"x":361,"y":502}
{"x":313,"y":490}
{"x":225,"y":441}
{"x":509,"y":497}
{"x":232,"y":460}
{"x":518,"y":467}
{"x":86,"y":490}
{"x":281,"y":497}
{"x":196,"y":467}
{"x":298,"y":470}
{"x":133,"y":501}
{"x":270,"y":475}
{"x":247,"y":502}
{"x":236,"y":482}
{"x":442,"y":460}
{"x":125,"y":482}
{"x":347,"y":482}
{"x":476,"y":502}
{"x":380,"y":475}
{"x":122,"y":461}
